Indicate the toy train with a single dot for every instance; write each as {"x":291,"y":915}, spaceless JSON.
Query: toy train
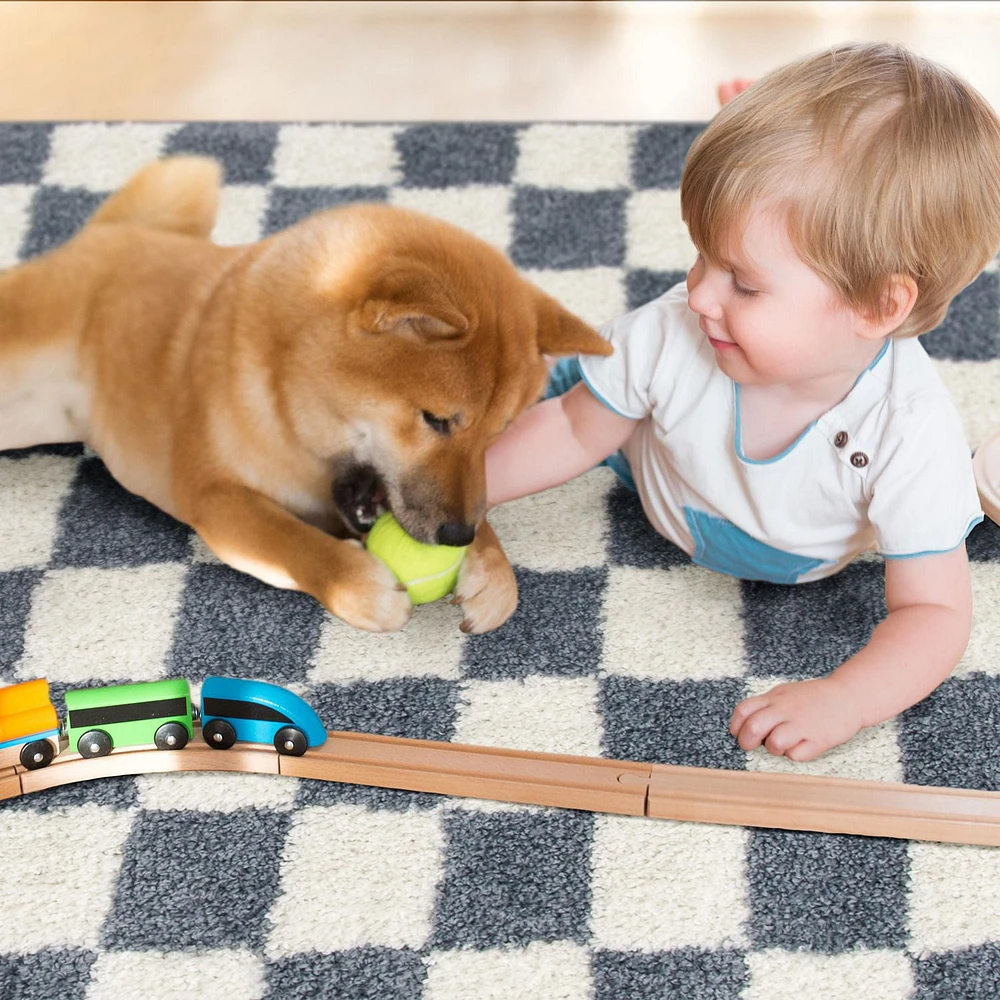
{"x":160,"y":713}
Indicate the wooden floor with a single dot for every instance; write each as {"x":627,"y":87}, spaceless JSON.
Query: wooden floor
{"x":431,"y":60}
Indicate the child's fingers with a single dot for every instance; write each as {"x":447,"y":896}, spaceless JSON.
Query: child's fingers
{"x":783,"y":738}
{"x":729,"y":89}
{"x":725,"y":92}
{"x":805,"y":750}
{"x":757,"y":727}
{"x":744,"y":710}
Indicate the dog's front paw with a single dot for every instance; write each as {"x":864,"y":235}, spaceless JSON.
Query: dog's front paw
{"x":367,"y":595}
{"x":486,"y":589}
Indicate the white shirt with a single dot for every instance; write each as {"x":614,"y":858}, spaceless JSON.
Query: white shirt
{"x":888,"y":468}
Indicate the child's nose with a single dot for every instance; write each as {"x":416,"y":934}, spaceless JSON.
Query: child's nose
{"x":701,"y":296}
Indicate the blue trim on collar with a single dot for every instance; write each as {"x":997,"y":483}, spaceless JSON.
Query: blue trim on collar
{"x":738,"y":429}
{"x":878,"y":357}
{"x":738,"y":436}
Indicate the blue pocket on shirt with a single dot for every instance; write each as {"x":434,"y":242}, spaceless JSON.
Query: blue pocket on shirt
{"x":720,"y":545}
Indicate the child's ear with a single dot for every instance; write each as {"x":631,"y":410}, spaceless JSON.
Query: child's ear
{"x":898,"y":299}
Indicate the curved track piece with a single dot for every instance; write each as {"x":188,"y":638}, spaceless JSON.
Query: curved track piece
{"x":68,"y":768}
{"x":744,"y":798}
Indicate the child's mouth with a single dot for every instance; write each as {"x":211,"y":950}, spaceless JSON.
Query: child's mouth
{"x":721,"y":345}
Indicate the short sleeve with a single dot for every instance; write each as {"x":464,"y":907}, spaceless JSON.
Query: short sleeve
{"x":642,"y":340}
{"x":922,"y":487}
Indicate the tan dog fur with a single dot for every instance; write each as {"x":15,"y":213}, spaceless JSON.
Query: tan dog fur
{"x":237,"y":388}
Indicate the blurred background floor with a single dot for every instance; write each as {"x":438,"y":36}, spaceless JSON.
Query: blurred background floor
{"x":394,"y":61}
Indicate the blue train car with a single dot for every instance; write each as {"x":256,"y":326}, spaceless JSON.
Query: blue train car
{"x":257,"y":712}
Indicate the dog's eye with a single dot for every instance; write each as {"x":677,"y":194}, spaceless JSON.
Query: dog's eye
{"x":440,"y":425}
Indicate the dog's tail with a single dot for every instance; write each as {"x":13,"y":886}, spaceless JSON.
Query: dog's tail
{"x":179,"y":194}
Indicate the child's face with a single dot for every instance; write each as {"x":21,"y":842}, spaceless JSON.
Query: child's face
{"x":771,"y":319}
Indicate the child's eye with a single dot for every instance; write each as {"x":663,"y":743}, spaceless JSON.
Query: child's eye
{"x":741,"y":290}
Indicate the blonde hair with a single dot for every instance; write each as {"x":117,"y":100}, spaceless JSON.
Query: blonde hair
{"x":881,"y":163}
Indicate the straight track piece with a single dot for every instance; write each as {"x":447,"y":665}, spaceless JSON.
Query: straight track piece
{"x":568,"y":782}
{"x":826,"y":805}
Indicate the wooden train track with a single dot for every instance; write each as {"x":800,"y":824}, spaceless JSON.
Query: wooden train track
{"x":744,"y":798}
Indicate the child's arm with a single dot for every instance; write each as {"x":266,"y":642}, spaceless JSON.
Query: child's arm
{"x":917,"y":645}
{"x":552,"y":443}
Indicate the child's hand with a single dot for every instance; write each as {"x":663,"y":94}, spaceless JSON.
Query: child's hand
{"x":798,"y":720}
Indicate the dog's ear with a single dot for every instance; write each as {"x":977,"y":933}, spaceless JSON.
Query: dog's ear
{"x":560,"y":332}
{"x":412,"y":301}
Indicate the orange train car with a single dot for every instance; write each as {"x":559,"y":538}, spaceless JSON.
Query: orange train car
{"x":29,"y":725}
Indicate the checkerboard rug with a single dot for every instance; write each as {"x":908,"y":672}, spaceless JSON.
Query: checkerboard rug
{"x":248,"y":886}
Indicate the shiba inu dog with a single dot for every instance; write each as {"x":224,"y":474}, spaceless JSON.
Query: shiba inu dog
{"x":278,"y":396}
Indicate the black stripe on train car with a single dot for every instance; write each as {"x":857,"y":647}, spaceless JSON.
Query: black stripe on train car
{"x":136,"y":711}
{"x":231,"y":708}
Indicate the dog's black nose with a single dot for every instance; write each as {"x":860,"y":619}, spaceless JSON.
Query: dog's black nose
{"x":456,"y":533}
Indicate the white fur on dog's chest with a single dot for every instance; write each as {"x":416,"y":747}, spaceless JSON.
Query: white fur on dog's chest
{"x":42,"y":401}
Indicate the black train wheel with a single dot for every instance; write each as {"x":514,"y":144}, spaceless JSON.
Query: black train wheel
{"x":171,"y":736}
{"x":219,"y":734}
{"x":290,"y":741}
{"x":94,"y":743}
{"x":36,"y":755}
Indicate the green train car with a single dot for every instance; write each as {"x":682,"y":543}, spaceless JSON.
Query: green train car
{"x":100,"y":719}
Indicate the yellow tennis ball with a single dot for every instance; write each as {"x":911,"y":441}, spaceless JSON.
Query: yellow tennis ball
{"x":427,"y":571}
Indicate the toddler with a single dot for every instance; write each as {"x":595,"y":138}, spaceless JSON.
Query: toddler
{"x":776,"y":413}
